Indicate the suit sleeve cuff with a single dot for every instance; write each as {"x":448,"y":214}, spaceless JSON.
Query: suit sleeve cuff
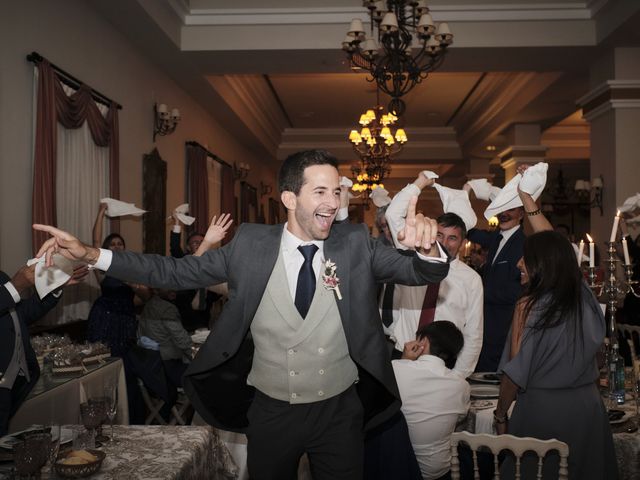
{"x":12,"y":290}
{"x":104,"y":260}
{"x":443,"y":258}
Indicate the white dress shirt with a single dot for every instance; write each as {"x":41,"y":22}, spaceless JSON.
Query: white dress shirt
{"x":460,"y":300}
{"x":433,"y":398}
{"x":460,"y":297}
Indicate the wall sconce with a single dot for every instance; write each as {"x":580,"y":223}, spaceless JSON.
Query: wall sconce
{"x":584,"y":189}
{"x":164,"y":122}
{"x":240,"y":170}
{"x":265,"y":189}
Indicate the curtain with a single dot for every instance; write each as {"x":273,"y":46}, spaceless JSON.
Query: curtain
{"x":215,"y":184}
{"x":72,"y":112}
{"x":198,"y":187}
{"x":228,"y":198}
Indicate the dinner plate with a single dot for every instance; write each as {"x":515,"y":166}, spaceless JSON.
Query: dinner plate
{"x":483,"y":404}
{"x":485,"y":377}
{"x":485,"y":391}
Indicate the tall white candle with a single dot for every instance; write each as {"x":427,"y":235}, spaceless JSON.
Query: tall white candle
{"x":580,"y":252}
{"x":625,"y":250}
{"x":614,"y":230}
{"x":592,"y":256}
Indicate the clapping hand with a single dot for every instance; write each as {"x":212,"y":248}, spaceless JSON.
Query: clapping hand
{"x":419,"y":232}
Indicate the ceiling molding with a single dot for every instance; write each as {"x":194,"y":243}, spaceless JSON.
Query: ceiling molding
{"x":343,"y":15}
{"x":252,"y":101}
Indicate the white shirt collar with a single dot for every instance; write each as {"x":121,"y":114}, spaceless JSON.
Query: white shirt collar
{"x":506,"y":234}
{"x":291,"y":243}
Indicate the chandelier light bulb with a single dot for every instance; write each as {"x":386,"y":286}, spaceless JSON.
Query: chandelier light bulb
{"x":425,"y":25}
{"x":365,"y":133}
{"x":389,"y":23}
{"x":356,"y":29}
{"x":385,"y":132}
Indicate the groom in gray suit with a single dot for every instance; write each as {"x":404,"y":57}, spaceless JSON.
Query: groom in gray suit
{"x":297,"y":358}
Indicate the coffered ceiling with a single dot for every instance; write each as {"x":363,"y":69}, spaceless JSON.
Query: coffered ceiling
{"x":274,"y":75}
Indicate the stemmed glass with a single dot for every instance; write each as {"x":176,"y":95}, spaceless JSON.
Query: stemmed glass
{"x":111,"y":392}
{"x":92,"y":415}
{"x":54,"y":448}
{"x":30,"y":455}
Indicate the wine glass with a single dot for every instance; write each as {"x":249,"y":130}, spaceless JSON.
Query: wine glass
{"x":91,"y":415}
{"x":101,"y":404}
{"x":54,"y":448}
{"x":111,"y":392}
{"x":30,"y":455}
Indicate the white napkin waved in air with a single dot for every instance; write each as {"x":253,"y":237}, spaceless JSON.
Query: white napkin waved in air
{"x":181,"y":212}
{"x":48,"y":279}
{"x":380,"y":197}
{"x":482,"y":189}
{"x":533,"y":180}
{"x":346,"y":182}
{"x":117,"y":208}
{"x":630,"y":204}
{"x":429,"y":174}
{"x":457,"y":201}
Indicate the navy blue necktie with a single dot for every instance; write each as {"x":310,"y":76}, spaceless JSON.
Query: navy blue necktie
{"x":306,"y":286}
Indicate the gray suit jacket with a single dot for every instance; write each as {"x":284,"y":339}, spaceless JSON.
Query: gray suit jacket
{"x":216,"y":380}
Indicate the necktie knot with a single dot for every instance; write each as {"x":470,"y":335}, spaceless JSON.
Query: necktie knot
{"x":306,"y":280}
{"x":308,"y":251}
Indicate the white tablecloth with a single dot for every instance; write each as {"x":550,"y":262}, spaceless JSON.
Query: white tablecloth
{"x":57,"y":399}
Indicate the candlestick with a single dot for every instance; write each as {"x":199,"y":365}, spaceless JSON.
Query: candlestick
{"x":614,"y":230}
{"x":592,"y":256}
{"x":580,"y":252}
{"x":625,"y":251}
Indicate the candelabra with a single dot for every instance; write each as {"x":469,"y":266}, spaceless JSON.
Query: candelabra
{"x":613,"y":290}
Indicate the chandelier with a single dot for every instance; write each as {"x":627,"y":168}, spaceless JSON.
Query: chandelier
{"x":375,"y":143}
{"x":391,"y":60}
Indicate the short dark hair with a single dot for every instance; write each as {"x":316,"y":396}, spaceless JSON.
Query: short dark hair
{"x":193,"y":234}
{"x":452,"y":220}
{"x":111,"y":236}
{"x":445,"y":340}
{"x":291,"y":176}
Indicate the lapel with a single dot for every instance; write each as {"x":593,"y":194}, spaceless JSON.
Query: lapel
{"x":507,"y":246}
{"x":278,"y":289}
{"x":336,"y":249}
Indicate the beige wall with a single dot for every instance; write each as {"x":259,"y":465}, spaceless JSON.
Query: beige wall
{"x":71,"y":35}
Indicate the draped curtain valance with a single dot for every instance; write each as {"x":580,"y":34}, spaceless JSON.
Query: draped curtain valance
{"x":54,"y":105}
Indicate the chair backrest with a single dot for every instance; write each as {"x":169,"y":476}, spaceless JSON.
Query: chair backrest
{"x":517,"y":445}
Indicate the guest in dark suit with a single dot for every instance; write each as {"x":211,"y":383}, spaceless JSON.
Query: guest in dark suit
{"x":314,"y":346}
{"x":195,"y":305}
{"x":501,"y":280}
{"x":19,"y":370}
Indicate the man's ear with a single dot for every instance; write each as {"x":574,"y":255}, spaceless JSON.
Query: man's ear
{"x":289,"y":200}
{"x":424,"y":342}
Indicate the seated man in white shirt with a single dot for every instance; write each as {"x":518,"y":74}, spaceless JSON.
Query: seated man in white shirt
{"x":459,"y":295}
{"x":433,"y":397}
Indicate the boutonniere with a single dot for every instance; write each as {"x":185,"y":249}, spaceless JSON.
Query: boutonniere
{"x":329,"y":278}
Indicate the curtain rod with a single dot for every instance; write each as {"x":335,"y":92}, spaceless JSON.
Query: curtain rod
{"x":71,"y":81}
{"x":193,"y":143}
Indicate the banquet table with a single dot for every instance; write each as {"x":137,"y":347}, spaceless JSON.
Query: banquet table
{"x":159,"y":452}
{"x":57,"y":398}
{"x":627,"y":445}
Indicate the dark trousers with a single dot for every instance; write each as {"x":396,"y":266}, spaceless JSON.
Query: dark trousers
{"x":11,"y":399}
{"x":329,"y":432}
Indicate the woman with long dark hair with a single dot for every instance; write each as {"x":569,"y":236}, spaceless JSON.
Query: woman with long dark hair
{"x":112,"y":319}
{"x":549,"y":362}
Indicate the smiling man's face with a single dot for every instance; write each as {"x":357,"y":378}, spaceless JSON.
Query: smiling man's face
{"x":312,"y":211}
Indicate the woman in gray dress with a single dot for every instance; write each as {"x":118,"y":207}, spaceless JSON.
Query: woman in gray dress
{"x":550,"y":367}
